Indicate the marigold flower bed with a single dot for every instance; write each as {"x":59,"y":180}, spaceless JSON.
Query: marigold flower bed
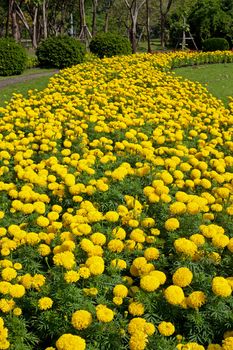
{"x":116,"y":198}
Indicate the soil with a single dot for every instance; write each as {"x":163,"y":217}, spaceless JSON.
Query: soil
{"x":22,"y":78}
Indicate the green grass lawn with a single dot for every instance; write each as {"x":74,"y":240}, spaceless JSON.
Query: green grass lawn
{"x":28,"y":72}
{"x":39,"y":83}
{"x":218,"y":77}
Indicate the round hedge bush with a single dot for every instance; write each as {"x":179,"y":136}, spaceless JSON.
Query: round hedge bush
{"x":60,"y":52}
{"x":13,"y":57}
{"x":215,"y":44}
{"x":109,"y":44}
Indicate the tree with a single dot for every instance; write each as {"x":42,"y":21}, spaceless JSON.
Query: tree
{"x":164,"y":7}
{"x":209,"y":18}
{"x":134,"y":7}
{"x":148,"y":26}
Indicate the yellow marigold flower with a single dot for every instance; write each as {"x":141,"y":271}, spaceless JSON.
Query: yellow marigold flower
{"x":69,"y":180}
{"x":182,"y":277}
{"x":139,"y":262}
{"x":151,"y":253}
{"x":53,"y":215}
{"x":116,"y":245}
{"x":44,"y":249}
{"x":70,"y":342}
{"x":81,"y":319}
{"x":86,"y":245}
{"x":42,"y":221}
{"x":227,"y":343}
{"x":174,"y":295}
{"x":137,"y":324}
{"x":5,"y":287}
{"x":65,"y":259}
{"x":84,"y":272}
{"x":71,"y":276}
{"x":137,"y":235}
{"x":5,"y":344}
{"x":39,"y":207}
{"x":104,"y":314}
{"x":17,"y":291}
{"x":177,"y":208}
{"x":221,"y":287}
{"x":111,"y":216}
{"x":159,"y":275}
{"x":185,"y":246}
{"x":18,"y":266}
{"x":6,"y":305}
{"x":193,"y":208}
{"x":196,"y":299}
{"x":172,"y":224}
{"x":166,"y":328}
{"x":96,"y":268}
{"x":27,"y":208}
{"x":117,"y":300}
{"x":17,"y":311}
{"x":98,"y":238}
{"x":148,"y":222}
{"x":8,"y":274}
{"x":138,"y":341}
{"x":45,"y":303}
{"x":230,"y":245}
{"x":120,"y":291}
{"x":119,"y":263}
{"x":214,"y":347}
{"x":149,"y":328}
{"x":198,"y":239}
{"x":136,"y":308}
{"x":220,"y":241}
{"x":90,"y":291}
{"x":57,"y":208}
{"x":149,"y":283}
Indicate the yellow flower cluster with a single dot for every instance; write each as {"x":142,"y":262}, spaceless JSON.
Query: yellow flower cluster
{"x":139,"y":331}
{"x":4,"y":343}
{"x":116,"y":191}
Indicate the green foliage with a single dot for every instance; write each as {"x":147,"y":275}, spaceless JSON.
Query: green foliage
{"x":59,"y":52}
{"x":13,"y":57}
{"x":214,"y":44}
{"x":109,"y":44}
{"x":32,"y":62}
{"x":210,"y":18}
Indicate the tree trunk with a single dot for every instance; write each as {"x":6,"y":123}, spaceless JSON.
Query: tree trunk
{"x":15,"y":26}
{"x":9,"y":11}
{"x":133,"y":33}
{"x":134,"y":8}
{"x":93,"y":27}
{"x":45,"y":26}
{"x":34,"y":30}
{"x":163,"y":18}
{"x":85,"y":34}
{"x":106,"y":21}
{"x":148,"y":26}
{"x":162,"y":31}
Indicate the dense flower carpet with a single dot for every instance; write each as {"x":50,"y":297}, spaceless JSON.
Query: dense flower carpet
{"x":116,"y":210}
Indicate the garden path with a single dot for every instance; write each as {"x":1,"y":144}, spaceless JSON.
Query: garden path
{"x":22,"y":78}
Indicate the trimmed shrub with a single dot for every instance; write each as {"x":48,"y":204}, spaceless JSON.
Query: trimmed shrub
{"x":60,"y":52}
{"x":13,"y":57}
{"x":215,"y":44}
{"x":109,"y":44}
